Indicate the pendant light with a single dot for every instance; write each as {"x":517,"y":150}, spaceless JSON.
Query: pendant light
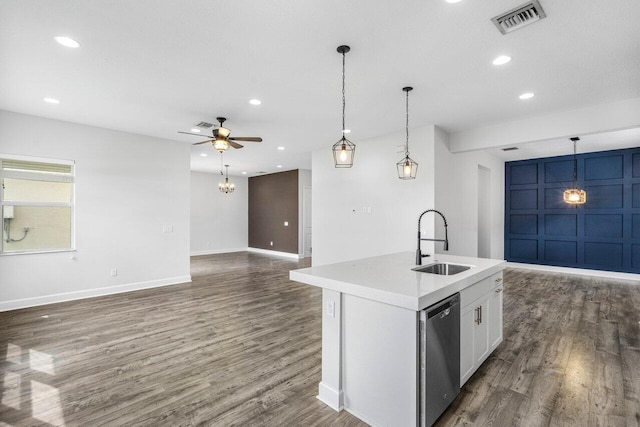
{"x":407,"y":168}
{"x":226,"y":186}
{"x":575,"y":196}
{"x":343,"y":150}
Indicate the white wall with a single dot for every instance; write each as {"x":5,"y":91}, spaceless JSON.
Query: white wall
{"x":219,"y":221}
{"x":562,"y":124}
{"x":128,"y":187}
{"x":341,"y":229}
{"x":456,"y":195}
{"x":304,"y":180}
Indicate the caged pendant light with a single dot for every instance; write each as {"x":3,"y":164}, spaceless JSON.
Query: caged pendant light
{"x":343,"y":150}
{"x":226,"y":186}
{"x":575,"y":196}
{"x":407,"y":168}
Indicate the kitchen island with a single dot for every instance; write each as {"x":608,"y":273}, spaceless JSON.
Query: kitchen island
{"x":371,"y":328}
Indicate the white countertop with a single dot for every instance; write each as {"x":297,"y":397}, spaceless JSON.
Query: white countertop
{"x":389,"y":278}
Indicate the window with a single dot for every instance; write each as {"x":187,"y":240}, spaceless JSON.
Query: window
{"x":36,"y":198}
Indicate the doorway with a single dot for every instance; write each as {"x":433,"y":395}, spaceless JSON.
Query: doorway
{"x":484,"y":212}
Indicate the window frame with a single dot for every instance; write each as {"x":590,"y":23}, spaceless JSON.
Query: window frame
{"x":71,"y":204}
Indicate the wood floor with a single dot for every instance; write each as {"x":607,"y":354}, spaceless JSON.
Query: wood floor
{"x":241,"y":346}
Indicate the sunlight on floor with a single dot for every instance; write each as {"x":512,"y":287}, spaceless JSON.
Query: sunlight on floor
{"x":45,"y":399}
{"x":11,"y":393}
{"x":42,"y":362}
{"x":14,"y":353}
{"x":45,"y":404}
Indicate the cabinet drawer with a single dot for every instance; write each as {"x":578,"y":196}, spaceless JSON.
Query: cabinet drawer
{"x":475,"y":291}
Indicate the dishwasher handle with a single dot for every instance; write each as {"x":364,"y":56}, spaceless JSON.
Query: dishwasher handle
{"x":443,"y":309}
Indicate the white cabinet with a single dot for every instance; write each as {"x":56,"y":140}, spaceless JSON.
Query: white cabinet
{"x":480,"y":324}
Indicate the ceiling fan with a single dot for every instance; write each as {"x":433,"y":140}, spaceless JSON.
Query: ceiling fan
{"x":221,"y":139}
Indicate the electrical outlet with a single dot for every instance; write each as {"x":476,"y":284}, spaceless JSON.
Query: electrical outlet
{"x":331,"y":308}
{"x":167,"y":229}
{"x":286,"y":223}
{"x":271,"y":243}
{"x":114,"y":272}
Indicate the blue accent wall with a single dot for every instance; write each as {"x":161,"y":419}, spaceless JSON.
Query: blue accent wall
{"x":603,"y":234}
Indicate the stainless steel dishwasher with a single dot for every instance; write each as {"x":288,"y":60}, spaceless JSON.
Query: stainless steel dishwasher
{"x":439,"y":358}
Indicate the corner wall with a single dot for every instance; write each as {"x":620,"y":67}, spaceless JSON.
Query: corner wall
{"x":128,"y":187}
{"x":273,"y":200}
{"x":456,"y":196}
{"x":219,"y":221}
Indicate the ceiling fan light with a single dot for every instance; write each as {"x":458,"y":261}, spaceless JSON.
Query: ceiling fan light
{"x":223,"y":132}
{"x":221,"y":145}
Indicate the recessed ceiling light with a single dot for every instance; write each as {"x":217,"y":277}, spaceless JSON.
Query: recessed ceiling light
{"x":527,"y":95}
{"x":452,"y":1}
{"x":346,"y":130}
{"x":279,"y":166}
{"x":51,"y":100}
{"x":66,"y":41}
{"x":244,"y":172}
{"x":195,"y":130}
{"x":280,"y":148}
{"x":255,"y":102}
{"x":501,"y":60}
{"x":204,"y":154}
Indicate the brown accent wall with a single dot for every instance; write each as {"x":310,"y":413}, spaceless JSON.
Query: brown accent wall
{"x":273,"y":199}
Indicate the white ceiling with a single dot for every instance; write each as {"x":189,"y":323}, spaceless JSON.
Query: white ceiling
{"x":154,"y":67}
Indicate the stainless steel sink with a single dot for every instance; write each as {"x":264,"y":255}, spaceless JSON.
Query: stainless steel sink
{"x":442,"y":268}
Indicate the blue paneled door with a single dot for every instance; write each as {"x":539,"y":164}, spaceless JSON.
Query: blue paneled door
{"x":603,"y":234}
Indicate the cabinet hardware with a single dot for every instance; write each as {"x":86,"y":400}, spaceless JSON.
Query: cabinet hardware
{"x":498,"y":290}
{"x":480,"y":311}
{"x":499,"y":279}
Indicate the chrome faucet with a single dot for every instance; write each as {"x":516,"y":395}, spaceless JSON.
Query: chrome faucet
{"x":419,"y":255}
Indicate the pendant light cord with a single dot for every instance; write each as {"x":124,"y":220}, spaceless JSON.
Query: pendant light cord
{"x":575,"y":167}
{"x":344,"y":103}
{"x":406,"y":145}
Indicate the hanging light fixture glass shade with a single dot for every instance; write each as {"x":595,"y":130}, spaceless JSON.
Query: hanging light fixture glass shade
{"x":220,"y":143}
{"x":407,"y":168}
{"x":343,"y":150}
{"x":226,"y":186}
{"x":575,"y":196}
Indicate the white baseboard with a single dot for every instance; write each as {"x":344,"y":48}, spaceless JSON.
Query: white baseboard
{"x":578,"y":271}
{"x":90,"y":293}
{"x":276,"y":253}
{"x":330,"y":397}
{"x":217,"y":251}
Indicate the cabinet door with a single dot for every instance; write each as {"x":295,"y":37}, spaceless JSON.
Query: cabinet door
{"x":467,"y":354}
{"x":495,"y":317}
{"x":481,"y":331}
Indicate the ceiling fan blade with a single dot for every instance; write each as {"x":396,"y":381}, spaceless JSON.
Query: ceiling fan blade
{"x":203,"y":142}
{"x":234,"y":144}
{"x":194,"y":134}
{"x":245,"y":138}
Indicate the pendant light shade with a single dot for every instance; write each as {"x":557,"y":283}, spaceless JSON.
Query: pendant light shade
{"x":343,"y":150}
{"x":575,"y":196}
{"x":226,"y":186}
{"x":407,"y":168}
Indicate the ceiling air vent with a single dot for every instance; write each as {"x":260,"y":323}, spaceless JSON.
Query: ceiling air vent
{"x":204,"y":125}
{"x":519,"y":17}
{"x":510,"y":149}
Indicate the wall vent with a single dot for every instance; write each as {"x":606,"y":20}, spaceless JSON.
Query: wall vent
{"x":204,"y":125}
{"x":519,"y":17}
{"x":510,"y":149}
